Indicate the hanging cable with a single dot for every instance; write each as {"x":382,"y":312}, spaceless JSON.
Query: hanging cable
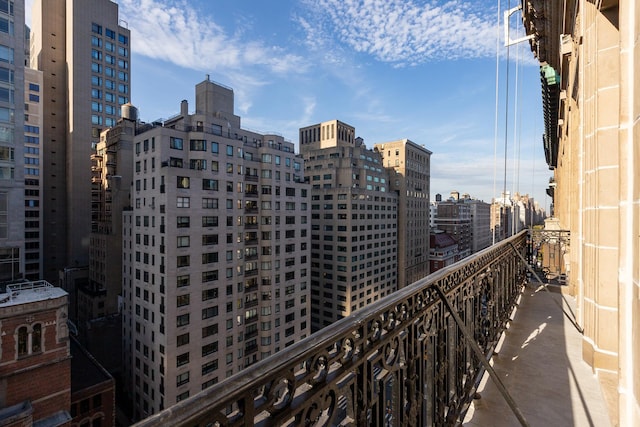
{"x":506,"y":143}
{"x":495,"y":125}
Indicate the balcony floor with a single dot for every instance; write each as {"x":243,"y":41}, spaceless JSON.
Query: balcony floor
{"x":539,"y":361}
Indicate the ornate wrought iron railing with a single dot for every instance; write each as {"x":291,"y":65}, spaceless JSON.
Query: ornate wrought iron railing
{"x":402,"y":361}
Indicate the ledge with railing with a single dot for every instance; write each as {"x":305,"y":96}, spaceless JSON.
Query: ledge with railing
{"x":410,"y":359}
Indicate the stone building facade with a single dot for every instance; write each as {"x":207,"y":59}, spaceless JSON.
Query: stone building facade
{"x":588,"y":52}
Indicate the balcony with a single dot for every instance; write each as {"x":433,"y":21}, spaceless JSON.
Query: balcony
{"x":415,"y":357}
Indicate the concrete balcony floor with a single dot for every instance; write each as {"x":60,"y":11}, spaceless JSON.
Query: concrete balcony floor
{"x":539,"y":361}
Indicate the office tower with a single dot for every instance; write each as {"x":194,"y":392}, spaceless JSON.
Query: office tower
{"x":480,"y":224}
{"x":454,"y":218}
{"x":11,"y":141}
{"x":33,"y":184}
{"x":35,"y":362}
{"x":354,"y":222}
{"x":83,"y":54}
{"x":216,"y":260}
{"x":410,"y":174}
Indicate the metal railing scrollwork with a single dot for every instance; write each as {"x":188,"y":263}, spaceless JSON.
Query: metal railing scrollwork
{"x":402,"y":361}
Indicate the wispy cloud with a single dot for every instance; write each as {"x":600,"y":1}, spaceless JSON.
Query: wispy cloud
{"x":403,"y":32}
{"x":176,"y":32}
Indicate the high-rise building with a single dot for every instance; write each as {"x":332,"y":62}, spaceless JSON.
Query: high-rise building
{"x":480,"y":224}
{"x":410,"y":176}
{"x":33,"y":185}
{"x":354,"y":222}
{"x":454,"y":218}
{"x":112,"y":168}
{"x":12,"y":187}
{"x":216,"y":254}
{"x":84,"y":56}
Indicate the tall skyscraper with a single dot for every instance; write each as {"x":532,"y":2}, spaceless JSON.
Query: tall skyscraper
{"x":84,"y":56}
{"x":12,"y":186}
{"x":409,"y":167}
{"x":33,"y":184}
{"x":216,"y":254}
{"x":354,"y":222}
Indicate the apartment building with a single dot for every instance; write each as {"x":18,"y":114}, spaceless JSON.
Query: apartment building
{"x":354,"y":222}
{"x":84,"y":55}
{"x":410,"y":175}
{"x":481,"y":236}
{"x":454,"y":218}
{"x":33,"y":185}
{"x":216,"y":255}
{"x":12,"y":187}
{"x":112,"y":168}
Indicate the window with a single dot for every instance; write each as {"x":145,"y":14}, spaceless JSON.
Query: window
{"x":6,"y":54}
{"x":210,"y":184}
{"x":182,"y":280}
{"x":182,"y":320}
{"x":182,"y":182}
{"x":209,"y":239}
{"x":182,"y":300}
{"x":210,"y":330}
{"x":181,"y":380}
{"x":209,"y":367}
{"x":183,"y":202}
{"x":210,"y":312}
{"x":182,"y":359}
{"x":183,"y":221}
{"x":198,"y":145}
{"x":209,"y":349}
{"x":215,"y":147}
{"x":175,"y":143}
{"x":182,"y":339}
{"x":182,"y":261}
{"x":209,"y":221}
{"x":208,"y":294}
{"x":209,"y":257}
{"x":22,"y":341}
{"x":183,"y":241}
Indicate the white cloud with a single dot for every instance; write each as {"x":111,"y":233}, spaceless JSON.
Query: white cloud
{"x":176,"y":32}
{"x":404,"y":32}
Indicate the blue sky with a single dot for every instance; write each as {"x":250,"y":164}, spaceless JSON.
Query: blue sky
{"x":423,"y":70}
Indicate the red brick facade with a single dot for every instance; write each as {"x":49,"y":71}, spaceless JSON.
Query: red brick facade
{"x":36,"y":368}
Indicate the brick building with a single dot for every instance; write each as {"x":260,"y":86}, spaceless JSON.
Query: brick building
{"x":35,"y":362}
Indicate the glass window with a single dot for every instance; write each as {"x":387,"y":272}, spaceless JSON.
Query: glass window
{"x":22,"y":341}
{"x":6,"y":54}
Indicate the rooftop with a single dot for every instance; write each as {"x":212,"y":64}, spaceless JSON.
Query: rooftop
{"x":28,"y":292}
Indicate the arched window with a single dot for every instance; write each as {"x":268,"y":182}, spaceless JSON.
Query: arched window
{"x":36,"y":338}
{"x":23,"y":339}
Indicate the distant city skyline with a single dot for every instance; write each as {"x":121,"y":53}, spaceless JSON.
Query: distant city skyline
{"x":393,"y":69}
